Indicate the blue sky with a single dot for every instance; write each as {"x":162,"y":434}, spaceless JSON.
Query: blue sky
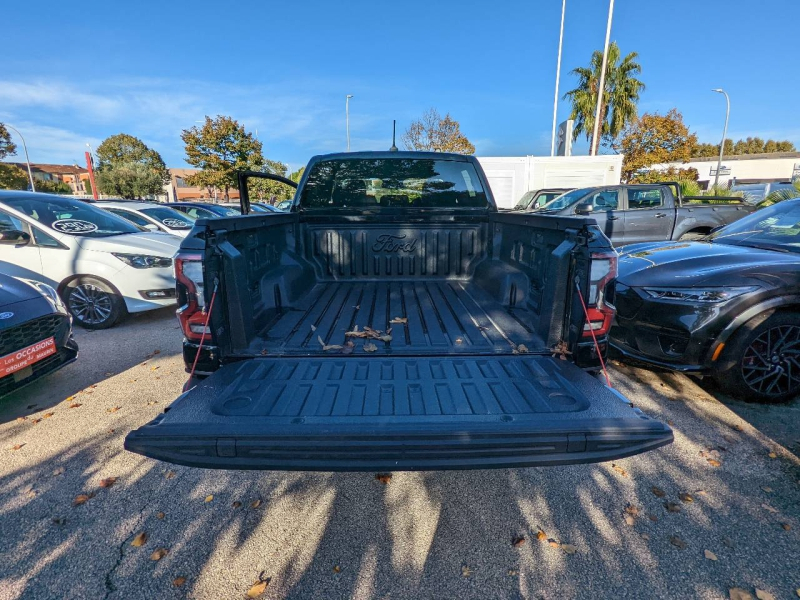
{"x":76,"y":73}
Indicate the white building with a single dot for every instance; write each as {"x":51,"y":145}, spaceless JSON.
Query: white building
{"x":744,"y":168}
{"x":511,"y":177}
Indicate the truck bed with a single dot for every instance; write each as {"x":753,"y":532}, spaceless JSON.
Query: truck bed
{"x":442,"y":317}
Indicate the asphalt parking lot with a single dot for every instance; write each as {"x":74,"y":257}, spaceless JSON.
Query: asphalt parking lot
{"x":716,"y":510}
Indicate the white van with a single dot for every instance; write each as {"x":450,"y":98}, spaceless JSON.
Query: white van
{"x":102,"y":265}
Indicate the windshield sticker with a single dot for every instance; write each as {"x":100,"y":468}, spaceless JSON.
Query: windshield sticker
{"x":74,"y":226}
{"x":174,"y":223}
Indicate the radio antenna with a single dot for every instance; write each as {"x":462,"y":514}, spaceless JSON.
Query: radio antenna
{"x":394,"y":133}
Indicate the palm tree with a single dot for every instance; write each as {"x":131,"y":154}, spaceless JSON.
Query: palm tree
{"x":781,"y":195}
{"x":620,"y":96}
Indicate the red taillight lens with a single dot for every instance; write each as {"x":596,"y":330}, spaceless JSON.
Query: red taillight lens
{"x":601,"y":313}
{"x":190,"y":292}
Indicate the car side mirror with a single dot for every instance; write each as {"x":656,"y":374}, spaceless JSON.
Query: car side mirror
{"x":584,"y":209}
{"x":15,"y":237}
{"x":151,"y":227}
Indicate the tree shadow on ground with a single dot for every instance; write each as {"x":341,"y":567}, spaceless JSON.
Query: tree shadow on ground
{"x":422,"y":535}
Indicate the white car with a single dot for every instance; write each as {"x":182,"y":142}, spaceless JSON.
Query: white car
{"x":102,"y":265}
{"x":152,"y":216}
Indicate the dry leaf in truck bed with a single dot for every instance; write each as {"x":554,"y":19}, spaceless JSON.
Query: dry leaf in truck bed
{"x":384,"y":478}
{"x":399,"y":321}
{"x":710,"y":555}
{"x":108,"y":482}
{"x":370,"y":347}
{"x":348,"y":347}
{"x":258,"y":588}
{"x":313,"y":327}
{"x":326,"y":347}
{"x":385,"y":338}
{"x":82,"y":499}
{"x":139,"y":540}
{"x":159,"y":554}
{"x":518,"y":541}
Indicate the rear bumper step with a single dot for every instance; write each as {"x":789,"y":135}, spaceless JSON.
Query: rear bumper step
{"x":505,"y":447}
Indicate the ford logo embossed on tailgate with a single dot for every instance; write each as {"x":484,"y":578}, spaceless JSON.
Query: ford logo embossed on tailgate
{"x":6,"y":315}
{"x":393,"y":243}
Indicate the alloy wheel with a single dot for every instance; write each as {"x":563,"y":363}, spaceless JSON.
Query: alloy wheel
{"x":771,"y":363}
{"x":90,"y":304}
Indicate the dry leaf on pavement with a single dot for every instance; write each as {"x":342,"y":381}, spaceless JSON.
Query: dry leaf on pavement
{"x":632,"y":510}
{"x":17,"y":446}
{"x":769,"y":508}
{"x":160,"y":515}
{"x":75,"y":405}
{"x":786,"y":526}
{"x":517,"y":541}
{"x":541,"y":536}
{"x":763,"y":595}
{"x":237,"y":504}
{"x":465,"y":571}
{"x":677,"y":542}
{"x":113,"y":410}
{"x":619,"y":470}
{"x":739,"y":594}
{"x":710,"y":555}
{"x":258,"y":588}
{"x":384,"y":478}
{"x":59,"y":471}
{"x":672,"y":507}
{"x":159,"y":554}
{"x":714,"y":462}
{"x":179,"y":581}
{"x":209,"y":498}
{"x":48,"y":415}
{"x":108,"y":482}
{"x":255,"y":503}
{"x":169,"y":474}
{"x":139,"y":540}
{"x":82,"y":499}
{"x":658,"y":492}
{"x":569,"y":548}
{"x":337,"y":569}
{"x":767,"y":489}
{"x":771,"y":455}
{"x":686,"y":497}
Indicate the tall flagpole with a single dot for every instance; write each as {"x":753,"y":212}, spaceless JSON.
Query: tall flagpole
{"x":558,"y":73}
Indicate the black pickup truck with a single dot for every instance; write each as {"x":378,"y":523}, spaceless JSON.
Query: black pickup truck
{"x":394,"y":320}
{"x":629,"y":214}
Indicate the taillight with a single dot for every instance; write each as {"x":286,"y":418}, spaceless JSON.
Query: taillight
{"x":190,"y":292}
{"x":600,"y":312}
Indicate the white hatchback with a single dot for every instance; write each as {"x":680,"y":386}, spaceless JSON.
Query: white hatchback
{"x":151,"y":215}
{"x":102,"y":265}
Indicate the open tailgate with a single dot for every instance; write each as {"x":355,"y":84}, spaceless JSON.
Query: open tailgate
{"x":352,"y":413}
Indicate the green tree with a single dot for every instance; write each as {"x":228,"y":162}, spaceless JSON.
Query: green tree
{"x":51,"y":186}
{"x":129,"y":180}
{"x":296,"y":176}
{"x":620,"y":95}
{"x":433,"y":133}
{"x":654,"y":139}
{"x":267,"y":189}
{"x":128,"y":168}
{"x":220,"y":148}
{"x":750,"y":145}
{"x":12,"y":177}
{"x":7,"y":147}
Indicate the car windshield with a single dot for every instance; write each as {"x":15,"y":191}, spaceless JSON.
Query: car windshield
{"x":169,"y":217}
{"x":753,"y":192}
{"x":393,"y":182}
{"x":72,"y":217}
{"x":525,"y":201}
{"x":774,"y":228}
{"x":565,"y":200}
{"x":227,"y":211}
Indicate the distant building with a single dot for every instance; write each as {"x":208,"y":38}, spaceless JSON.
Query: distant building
{"x":177,"y":190}
{"x":73,"y":175}
{"x":743,"y":168}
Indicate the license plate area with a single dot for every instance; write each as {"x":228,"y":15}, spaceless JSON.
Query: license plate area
{"x":18,"y":363}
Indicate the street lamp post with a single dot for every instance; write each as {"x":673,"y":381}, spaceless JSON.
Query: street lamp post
{"x":558,"y":72}
{"x":347,"y":117}
{"x":27,"y":160}
{"x":601,"y":87}
{"x":724,"y":132}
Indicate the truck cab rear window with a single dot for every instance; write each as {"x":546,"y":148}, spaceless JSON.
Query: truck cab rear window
{"x":395,"y":182}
